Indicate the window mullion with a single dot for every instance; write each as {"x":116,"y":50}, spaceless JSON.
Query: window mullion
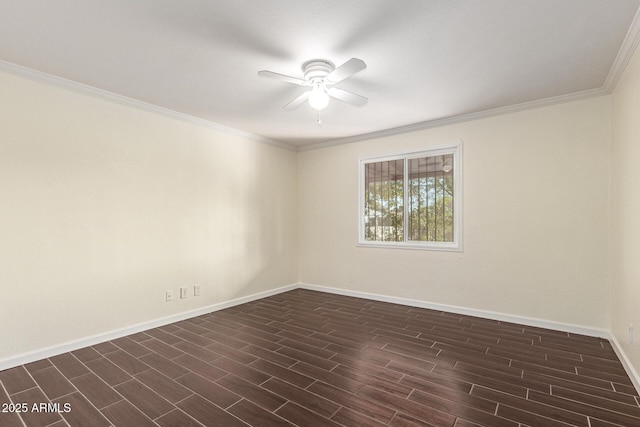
{"x":405,"y":204}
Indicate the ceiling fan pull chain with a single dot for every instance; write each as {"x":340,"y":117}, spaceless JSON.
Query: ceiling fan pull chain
{"x":319,"y":121}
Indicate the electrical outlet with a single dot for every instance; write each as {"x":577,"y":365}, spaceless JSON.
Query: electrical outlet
{"x":183,"y":292}
{"x":196,"y":290}
{"x":168,"y":296}
{"x":631,"y":333}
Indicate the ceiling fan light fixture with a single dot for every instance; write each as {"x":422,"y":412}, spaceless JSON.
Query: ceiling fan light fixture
{"x":318,"y":75}
{"x":318,"y":98}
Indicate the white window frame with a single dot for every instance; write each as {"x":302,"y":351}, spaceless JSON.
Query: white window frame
{"x":456,"y":245}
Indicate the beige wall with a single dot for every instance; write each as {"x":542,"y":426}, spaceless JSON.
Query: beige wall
{"x":103,"y":207}
{"x":625,"y":199}
{"x":536,"y":218}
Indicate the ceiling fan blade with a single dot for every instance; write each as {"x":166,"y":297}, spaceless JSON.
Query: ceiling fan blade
{"x":282,"y":77}
{"x":348,"y":97}
{"x":346,"y":70}
{"x":297,"y":102}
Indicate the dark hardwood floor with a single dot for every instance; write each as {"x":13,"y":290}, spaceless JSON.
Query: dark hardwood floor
{"x":310,"y":359}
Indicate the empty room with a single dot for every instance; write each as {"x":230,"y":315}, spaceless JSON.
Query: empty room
{"x":330,"y":213}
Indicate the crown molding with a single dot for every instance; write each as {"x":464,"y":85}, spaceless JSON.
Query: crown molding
{"x":627,"y":49}
{"x":84,"y":89}
{"x":458,"y":119}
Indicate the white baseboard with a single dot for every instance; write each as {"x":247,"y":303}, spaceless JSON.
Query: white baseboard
{"x":55,"y":350}
{"x":626,"y":363}
{"x":529,"y":321}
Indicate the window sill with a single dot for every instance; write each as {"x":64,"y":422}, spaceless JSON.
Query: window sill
{"x":445,"y":247}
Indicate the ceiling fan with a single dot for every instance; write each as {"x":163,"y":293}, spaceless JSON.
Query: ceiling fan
{"x":321,"y":75}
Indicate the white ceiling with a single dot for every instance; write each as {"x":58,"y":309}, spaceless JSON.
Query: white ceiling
{"x":428,"y":61}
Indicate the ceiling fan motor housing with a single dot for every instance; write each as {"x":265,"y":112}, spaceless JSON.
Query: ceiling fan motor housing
{"x":317,"y":69}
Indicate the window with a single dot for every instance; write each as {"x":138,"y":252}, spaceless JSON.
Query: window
{"x":412,"y":200}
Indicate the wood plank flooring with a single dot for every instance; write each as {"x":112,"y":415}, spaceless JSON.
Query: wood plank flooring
{"x":306,"y":358}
